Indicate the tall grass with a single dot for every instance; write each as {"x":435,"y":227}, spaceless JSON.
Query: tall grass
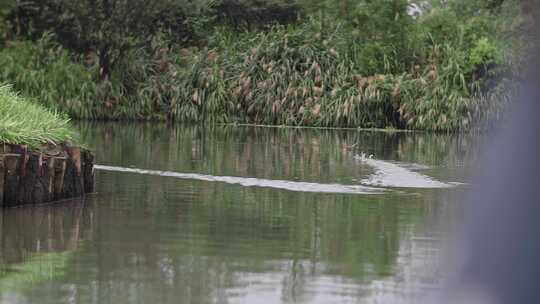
{"x":46,"y":72}
{"x":287,"y":75}
{"x":24,"y":122}
{"x":292,"y":76}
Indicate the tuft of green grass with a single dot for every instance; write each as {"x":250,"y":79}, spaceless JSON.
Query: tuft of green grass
{"x":27,"y":123}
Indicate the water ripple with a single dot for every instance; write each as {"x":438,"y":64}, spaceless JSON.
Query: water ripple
{"x":254,"y":182}
{"x":391,"y":175}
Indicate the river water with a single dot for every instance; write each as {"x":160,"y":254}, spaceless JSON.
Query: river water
{"x":224,"y":214}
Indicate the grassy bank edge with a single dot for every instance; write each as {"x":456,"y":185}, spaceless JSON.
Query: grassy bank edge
{"x":24,"y":122}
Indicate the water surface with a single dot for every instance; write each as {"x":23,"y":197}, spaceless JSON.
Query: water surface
{"x":196,"y":214}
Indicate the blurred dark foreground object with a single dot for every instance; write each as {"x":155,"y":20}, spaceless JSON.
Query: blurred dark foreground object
{"x":502,"y":229}
{"x":502,"y":243}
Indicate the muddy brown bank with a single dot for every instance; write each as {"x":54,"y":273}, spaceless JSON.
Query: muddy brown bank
{"x":46,"y":175}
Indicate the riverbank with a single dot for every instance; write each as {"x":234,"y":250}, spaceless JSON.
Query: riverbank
{"x":39,"y":161}
{"x":23,"y":122}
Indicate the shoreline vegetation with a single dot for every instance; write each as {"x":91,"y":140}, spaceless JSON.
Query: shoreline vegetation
{"x":23,"y":122}
{"x":332,"y":64}
{"x":40,"y":160}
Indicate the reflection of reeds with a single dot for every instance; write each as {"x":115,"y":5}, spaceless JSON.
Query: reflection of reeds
{"x":41,"y":229}
{"x":273,"y":153}
{"x":194,"y":239}
{"x":38,"y":243}
{"x":36,"y":269}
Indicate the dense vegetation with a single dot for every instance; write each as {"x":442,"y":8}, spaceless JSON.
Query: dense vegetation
{"x":24,"y":122}
{"x":339,"y":63}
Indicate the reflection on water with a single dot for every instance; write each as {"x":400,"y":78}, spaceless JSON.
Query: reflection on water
{"x":153,"y":239}
{"x":38,"y":243}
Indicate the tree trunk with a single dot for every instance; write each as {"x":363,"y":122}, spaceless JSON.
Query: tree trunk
{"x":104,"y":64}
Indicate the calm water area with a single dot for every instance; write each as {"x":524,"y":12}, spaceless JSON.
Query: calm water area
{"x":223,"y":214}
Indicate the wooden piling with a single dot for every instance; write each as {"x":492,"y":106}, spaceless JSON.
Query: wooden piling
{"x":11,"y":179}
{"x":59,"y":174}
{"x":31,"y":189}
{"x":47,"y":178}
{"x":2,"y":175}
{"x":73,"y":181}
{"x":88,"y":171}
{"x":34,"y":177}
{"x":21,"y":150}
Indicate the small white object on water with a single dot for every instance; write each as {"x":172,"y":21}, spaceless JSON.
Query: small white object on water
{"x":363,"y":157}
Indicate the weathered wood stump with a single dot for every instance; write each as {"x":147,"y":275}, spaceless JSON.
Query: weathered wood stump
{"x":59,"y":173}
{"x":28,"y":177}
{"x":11,"y":179}
{"x":2,"y":170}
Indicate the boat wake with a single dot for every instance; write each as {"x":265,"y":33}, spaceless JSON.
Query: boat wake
{"x":391,"y":175}
{"x":254,"y":182}
{"x":386,"y":175}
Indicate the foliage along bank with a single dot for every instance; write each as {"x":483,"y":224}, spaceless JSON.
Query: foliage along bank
{"x":38,"y":163}
{"x":26,"y":123}
{"x":375,"y":66}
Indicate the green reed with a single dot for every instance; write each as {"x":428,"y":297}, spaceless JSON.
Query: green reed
{"x":287,"y":75}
